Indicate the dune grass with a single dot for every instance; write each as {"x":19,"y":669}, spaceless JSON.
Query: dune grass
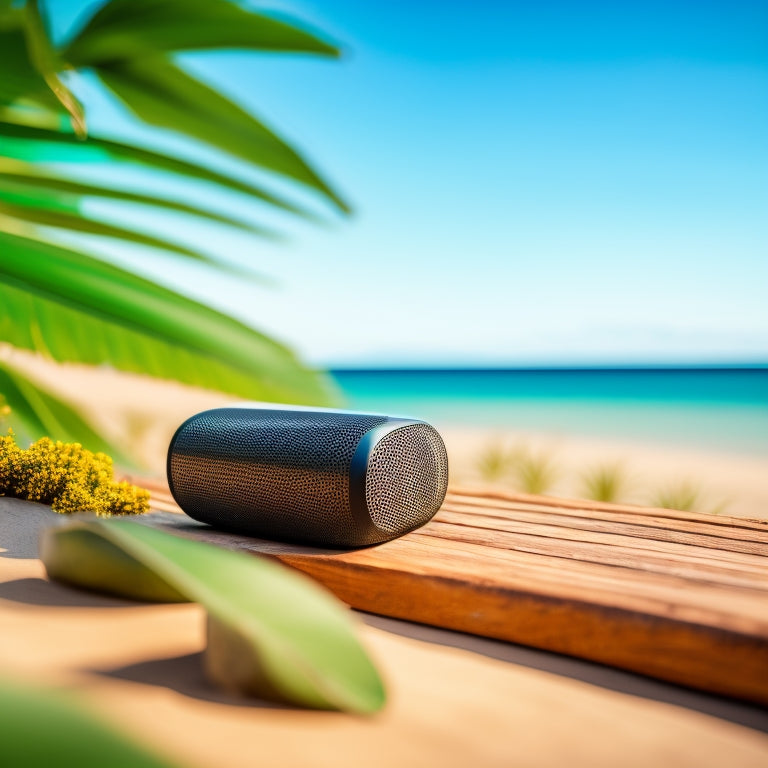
{"x":495,"y":462}
{"x":606,"y":482}
{"x":686,"y":497}
{"x":535,"y":472}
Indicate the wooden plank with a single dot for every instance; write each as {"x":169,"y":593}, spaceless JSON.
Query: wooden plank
{"x":495,"y":497}
{"x":674,"y":595}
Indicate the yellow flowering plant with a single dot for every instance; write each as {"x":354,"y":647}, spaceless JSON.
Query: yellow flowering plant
{"x":68,"y":477}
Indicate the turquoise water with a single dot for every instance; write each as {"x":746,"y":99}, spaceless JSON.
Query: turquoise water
{"x":723,"y":409}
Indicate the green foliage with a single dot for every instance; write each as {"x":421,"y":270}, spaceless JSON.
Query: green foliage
{"x":682,"y":496}
{"x":41,"y":729}
{"x":75,"y":307}
{"x":605,"y":483}
{"x":535,"y":473}
{"x":495,"y":462}
{"x":273,"y":632}
{"x":530,"y":472}
{"x":685,"y":497}
{"x":68,"y":477}
{"x":35,"y":411}
{"x":118,"y":31}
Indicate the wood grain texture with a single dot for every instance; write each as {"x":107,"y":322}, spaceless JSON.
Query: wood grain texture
{"x":674,"y":595}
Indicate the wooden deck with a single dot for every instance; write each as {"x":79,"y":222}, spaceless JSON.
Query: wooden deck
{"x":679,"y":596}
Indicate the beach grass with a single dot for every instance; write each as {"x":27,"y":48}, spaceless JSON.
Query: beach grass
{"x":535,"y":472}
{"x":686,"y":497}
{"x":495,"y":462}
{"x":606,"y":482}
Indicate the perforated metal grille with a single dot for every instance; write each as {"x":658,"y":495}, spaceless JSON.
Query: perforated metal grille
{"x":407,"y":478}
{"x":270,"y":473}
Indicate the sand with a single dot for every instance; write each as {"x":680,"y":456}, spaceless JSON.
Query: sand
{"x":142,"y":413}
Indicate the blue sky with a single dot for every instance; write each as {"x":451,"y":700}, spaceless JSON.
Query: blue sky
{"x":546,"y":183}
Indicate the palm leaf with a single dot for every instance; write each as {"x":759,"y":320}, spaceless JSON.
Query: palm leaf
{"x":37,"y":144}
{"x":77,"y":308}
{"x":51,"y":208}
{"x":20,"y":176}
{"x":20,"y":79}
{"x":44,"y":59}
{"x":53,"y":211}
{"x":35,"y":412}
{"x":41,"y":729}
{"x":68,"y":335}
{"x":131,"y":29}
{"x":162,"y":94}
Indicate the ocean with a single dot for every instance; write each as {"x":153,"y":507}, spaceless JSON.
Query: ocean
{"x":710,"y":408}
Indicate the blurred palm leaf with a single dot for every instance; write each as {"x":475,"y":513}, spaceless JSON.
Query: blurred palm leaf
{"x":37,"y":411}
{"x":72,"y":735}
{"x":72,"y":301}
{"x":162,"y":94}
{"x":43,"y":145}
{"x":75,"y":307}
{"x":125,"y":29}
{"x":19,"y":177}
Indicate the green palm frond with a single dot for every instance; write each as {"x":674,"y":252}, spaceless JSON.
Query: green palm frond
{"x":76,"y":307}
{"x":40,"y":144}
{"x":129,"y":29}
{"x":16,"y":178}
{"x":37,"y":411}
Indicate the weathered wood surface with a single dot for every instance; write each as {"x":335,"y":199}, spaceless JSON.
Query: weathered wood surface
{"x":674,"y":595}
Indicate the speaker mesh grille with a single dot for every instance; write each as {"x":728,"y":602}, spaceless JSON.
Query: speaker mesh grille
{"x":406,"y":478}
{"x":269,"y":473}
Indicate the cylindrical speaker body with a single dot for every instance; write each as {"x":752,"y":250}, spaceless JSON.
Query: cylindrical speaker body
{"x":318,"y":476}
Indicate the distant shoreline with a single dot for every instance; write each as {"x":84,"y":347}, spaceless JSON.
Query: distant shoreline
{"x":652,"y":368}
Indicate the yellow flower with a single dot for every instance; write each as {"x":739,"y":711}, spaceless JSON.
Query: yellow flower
{"x":68,"y":477}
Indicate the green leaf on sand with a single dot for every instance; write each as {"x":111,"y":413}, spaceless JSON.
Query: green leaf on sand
{"x":40,"y":729}
{"x":272,"y":631}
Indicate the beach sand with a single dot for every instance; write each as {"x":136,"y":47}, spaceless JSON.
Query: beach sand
{"x":142,"y":413}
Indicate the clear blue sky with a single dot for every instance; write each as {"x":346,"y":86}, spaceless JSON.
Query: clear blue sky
{"x":549,"y":182}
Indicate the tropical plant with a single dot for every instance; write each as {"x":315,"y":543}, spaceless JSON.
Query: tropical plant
{"x":685,"y":496}
{"x":272,"y":631}
{"x":535,"y":473}
{"x":41,"y":728}
{"x":605,"y":483}
{"x":64,"y":301}
{"x":682,"y":496}
{"x":495,"y":462}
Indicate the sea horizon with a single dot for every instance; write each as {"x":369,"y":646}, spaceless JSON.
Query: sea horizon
{"x":712,"y":407}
